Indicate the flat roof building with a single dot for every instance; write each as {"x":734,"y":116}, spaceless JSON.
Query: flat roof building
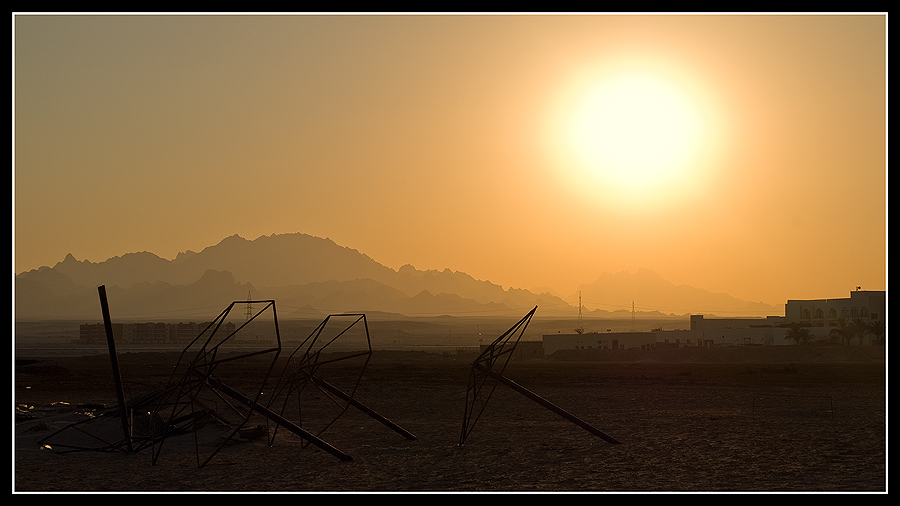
{"x":865,"y":304}
{"x":598,"y":341}
{"x":820,"y":316}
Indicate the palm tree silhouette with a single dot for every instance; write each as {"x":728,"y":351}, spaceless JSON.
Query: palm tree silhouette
{"x":860,"y":328}
{"x":877,"y":329}
{"x":843,"y":329}
{"x":800,"y":335}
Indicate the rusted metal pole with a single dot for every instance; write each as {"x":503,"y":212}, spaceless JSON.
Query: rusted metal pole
{"x":275,"y":417}
{"x":114,"y":361}
{"x":547,"y":404}
{"x":362,"y":407}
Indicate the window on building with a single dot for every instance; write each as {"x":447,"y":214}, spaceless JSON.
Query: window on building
{"x":806,"y":314}
{"x":820,"y":314}
{"x":832,"y":313}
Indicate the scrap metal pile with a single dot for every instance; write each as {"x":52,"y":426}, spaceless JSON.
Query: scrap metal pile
{"x":222,"y":394}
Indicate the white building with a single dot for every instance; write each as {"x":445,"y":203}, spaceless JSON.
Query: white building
{"x":818,"y":315}
{"x":767,"y":331}
{"x":821,"y":315}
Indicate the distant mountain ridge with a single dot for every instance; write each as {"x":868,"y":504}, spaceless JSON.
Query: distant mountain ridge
{"x":299,"y":271}
{"x":650,"y":292}
{"x":308,"y":275}
{"x":274,"y":260}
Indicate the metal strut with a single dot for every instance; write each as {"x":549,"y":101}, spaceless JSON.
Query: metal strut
{"x":114,"y":362}
{"x":254,"y":406}
{"x":483,"y":368}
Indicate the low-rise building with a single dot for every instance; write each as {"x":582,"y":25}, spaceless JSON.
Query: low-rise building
{"x":820,"y":316}
{"x":710,"y":332}
{"x":823,"y":316}
{"x":598,"y":341}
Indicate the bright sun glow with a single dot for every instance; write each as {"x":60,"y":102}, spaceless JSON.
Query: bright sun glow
{"x":632,"y":137}
{"x":634,"y":131}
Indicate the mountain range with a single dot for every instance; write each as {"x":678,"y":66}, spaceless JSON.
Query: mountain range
{"x":647,"y":290}
{"x":310,"y":277}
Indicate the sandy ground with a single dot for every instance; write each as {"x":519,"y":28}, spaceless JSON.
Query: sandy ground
{"x":738,"y":420}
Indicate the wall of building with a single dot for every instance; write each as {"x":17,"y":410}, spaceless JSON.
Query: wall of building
{"x":598,"y":340}
{"x":866,"y":304}
{"x":820,"y":315}
{"x":767,"y":331}
{"x":678,"y":338}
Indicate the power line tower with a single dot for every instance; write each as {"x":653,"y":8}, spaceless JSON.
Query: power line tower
{"x":249,"y":312}
{"x":632,"y":316}
{"x":580,"y":329}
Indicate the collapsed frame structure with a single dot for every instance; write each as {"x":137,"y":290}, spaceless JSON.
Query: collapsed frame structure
{"x":196,"y":396}
{"x":485,"y":367}
{"x":302,"y":372}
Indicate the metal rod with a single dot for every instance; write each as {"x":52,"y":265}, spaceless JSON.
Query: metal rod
{"x":365,"y":409}
{"x":114,"y":361}
{"x":277,"y":418}
{"x":547,"y":404}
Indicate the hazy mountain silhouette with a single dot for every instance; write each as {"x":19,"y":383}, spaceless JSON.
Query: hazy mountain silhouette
{"x":650,"y":292}
{"x":122,"y":271}
{"x":303,"y":273}
{"x":207,"y":296}
{"x":281,"y":260}
{"x":310,"y":276}
{"x":275,"y":260}
{"x":49,"y":294}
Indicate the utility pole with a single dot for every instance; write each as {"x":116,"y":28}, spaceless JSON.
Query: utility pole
{"x":114,"y":362}
{"x":632,"y":316}
{"x":580,"y":329}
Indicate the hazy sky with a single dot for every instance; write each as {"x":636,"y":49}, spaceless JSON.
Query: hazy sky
{"x":740,"y":153}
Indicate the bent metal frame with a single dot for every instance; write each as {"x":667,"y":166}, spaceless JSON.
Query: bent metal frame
{"x":302,"y":371}
{"x":485,"y":368}
{"x":194,"y":397}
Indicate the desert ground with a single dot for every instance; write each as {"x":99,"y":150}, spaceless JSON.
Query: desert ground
{"x":776,"y":419}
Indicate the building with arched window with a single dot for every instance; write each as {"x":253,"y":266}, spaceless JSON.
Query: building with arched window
{"x":821,"y":315}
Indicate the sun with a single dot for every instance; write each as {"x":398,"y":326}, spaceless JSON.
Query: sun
{"x":634,"y":131}
{"x":631,"y":136}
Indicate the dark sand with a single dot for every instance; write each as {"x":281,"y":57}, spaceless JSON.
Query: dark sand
{"x":737,"y":419}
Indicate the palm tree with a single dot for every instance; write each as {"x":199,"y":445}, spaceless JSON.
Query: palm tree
{"x":843,"y":329}
{"x":860,"y":328}
{"x":877,"y":329}
{"x":800,"y":335}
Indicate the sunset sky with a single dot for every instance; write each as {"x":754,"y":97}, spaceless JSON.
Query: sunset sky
{"x":743,"y":154}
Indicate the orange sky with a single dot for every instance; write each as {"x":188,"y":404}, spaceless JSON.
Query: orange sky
{"x":449,"y":141}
